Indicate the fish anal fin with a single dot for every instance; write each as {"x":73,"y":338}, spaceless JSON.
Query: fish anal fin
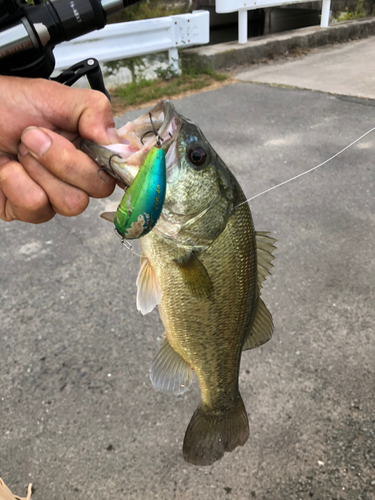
{"x":210,"y":434}
{"x":169,"y":373}
{"x":265,"y":247}
{"x":149,"y":293}
{"x":261,"y":329}
{"x":109,"y":216}
{"x":195,"y":276}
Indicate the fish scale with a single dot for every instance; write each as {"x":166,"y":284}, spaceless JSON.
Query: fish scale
{"x":203,"y":265}
{"x":209,"y":334}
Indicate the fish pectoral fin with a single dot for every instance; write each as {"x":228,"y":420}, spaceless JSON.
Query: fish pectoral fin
{"x":169,"y":373}
{"x":261,"y":329}
{"x":109,"y":216}
{"x":265,"y":247}
{"x":149,"y":293}
{"x":195,"y":276}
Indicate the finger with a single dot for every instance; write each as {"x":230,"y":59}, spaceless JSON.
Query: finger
{"x":64,"y":161}
{"x":70,"y":136}
{"x":4,"y":214}
{"x":85,"y":111}
{"x":37,"y":102}
{"x":65,"y":199}
{"x":22,"y":198}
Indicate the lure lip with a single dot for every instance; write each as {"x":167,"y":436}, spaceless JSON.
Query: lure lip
{"x":124,"y":166}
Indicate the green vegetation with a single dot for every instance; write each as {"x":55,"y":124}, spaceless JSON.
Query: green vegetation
{"x":134,"y":65}
{"x":147,"y":10}
{"x":168,"y":84}
{"x":358,"y":13}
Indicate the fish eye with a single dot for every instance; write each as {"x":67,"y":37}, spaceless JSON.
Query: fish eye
{"x":197,"y":156}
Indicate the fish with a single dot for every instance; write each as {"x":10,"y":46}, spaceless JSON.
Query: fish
{"x":203,"y":265}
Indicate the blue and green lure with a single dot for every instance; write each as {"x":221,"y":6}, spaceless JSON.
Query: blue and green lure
{"x":142,"y":203}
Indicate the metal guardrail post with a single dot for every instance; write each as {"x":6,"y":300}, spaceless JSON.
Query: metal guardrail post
{"x":324,"y":21}
{"x":242,"y":26}
{"x":242,"y":6}
{"x":174,"y":60}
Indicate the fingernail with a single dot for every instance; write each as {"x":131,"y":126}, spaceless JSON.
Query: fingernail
{"x":36,"y":141}
{"x":113,"y":135}
{"x":22,"y":150}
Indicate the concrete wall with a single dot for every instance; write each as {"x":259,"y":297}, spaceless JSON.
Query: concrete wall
{"x":336,"y":5}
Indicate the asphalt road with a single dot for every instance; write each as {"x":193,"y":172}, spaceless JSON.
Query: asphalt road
{"x":78,"y":415}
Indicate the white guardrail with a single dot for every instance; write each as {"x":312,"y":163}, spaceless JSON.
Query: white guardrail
{"x":242,"y":6}
{"x":137,"y":38}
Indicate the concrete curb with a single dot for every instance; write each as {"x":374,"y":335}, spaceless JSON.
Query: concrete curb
{"x":232,"y":54}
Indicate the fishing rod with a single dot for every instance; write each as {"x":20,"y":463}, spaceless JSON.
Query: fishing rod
{"x":29,"y":33}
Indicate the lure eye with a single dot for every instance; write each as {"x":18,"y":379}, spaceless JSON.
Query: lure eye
{"x":197,"y":156}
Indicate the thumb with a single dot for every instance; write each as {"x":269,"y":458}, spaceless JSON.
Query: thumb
{"x":85,"y":111}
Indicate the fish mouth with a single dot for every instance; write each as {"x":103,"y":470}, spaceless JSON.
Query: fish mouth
{"x":124,"y":159}
{"x":138,"y":137}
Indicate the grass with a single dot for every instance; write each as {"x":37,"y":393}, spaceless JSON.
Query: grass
{"x":146,"y":10}
{"x":358,"y":13}
{"x":142,"y":91}
{"x":167,"y":84}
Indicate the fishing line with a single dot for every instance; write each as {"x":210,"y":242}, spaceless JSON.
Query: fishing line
{"x":307,"y":171}
{"x":130,"y":247}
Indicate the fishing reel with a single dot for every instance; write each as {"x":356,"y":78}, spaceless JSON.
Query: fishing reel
{"x":29,"y":33}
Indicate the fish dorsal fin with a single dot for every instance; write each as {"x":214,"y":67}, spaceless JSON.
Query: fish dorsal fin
{"x":195,"y":276}
{"x":149,"y":292}
{"x":109,"y":216}
{"x":261,"y":329}
{"x":265,"y":247}
{"x":169,"y":373}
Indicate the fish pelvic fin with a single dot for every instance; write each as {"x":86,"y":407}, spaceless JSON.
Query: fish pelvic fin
{"x":169,"y":373}
{"x":149,"y":293}
{"x":265,"y":247}
{"x":210,"y":434}
{"x":262,"y":328}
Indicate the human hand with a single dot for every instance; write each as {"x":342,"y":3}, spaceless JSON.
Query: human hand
{"x":41,"y":171}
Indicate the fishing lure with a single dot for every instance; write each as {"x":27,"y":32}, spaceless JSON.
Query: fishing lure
{"x":143,"y":201}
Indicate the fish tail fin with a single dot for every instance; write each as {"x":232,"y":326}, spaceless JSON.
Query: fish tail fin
{"x":210,"y":434}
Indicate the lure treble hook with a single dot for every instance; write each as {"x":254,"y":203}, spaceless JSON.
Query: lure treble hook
{"x":159,"y":140}
{"x":110,"y":170}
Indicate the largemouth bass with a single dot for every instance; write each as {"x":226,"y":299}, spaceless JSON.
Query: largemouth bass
{"x":203,"y":265}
